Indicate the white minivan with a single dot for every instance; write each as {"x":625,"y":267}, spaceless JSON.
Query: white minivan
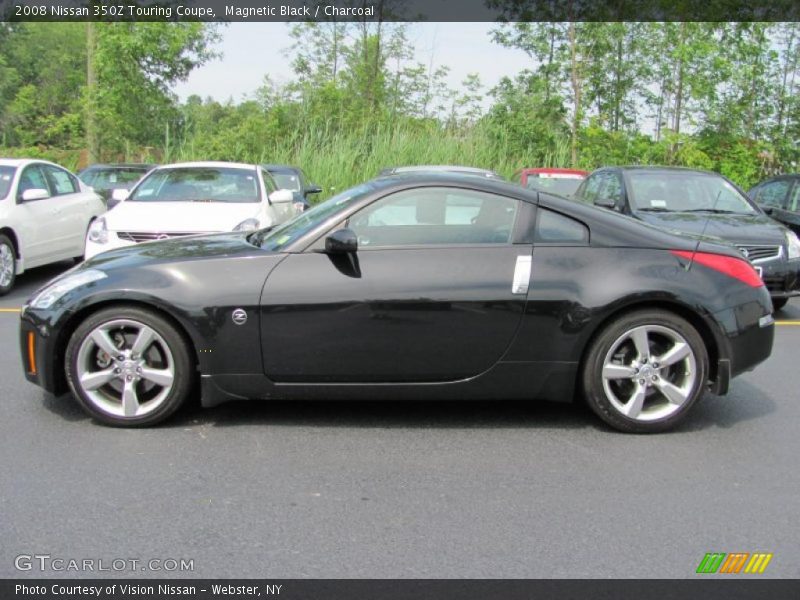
{"x":45,"y":212}
{"x":189,"y":199}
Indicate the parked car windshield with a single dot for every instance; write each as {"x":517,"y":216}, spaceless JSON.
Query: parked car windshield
{"x":198,"y":184}
{"x":6,"y":177}
{"x":685,"y":191}
{"x":111,"y":178}
{"x":563,"y":186}
{"x":285,"y":234}
{"x":287,"y":181}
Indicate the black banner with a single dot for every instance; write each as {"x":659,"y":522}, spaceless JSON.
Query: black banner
{"x":409,"y":589}
{"x":399,"y":10}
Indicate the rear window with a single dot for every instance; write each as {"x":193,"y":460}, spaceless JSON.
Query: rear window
{"x":199,"y":184}
{"x":563,"y":186}
{"x":112,"y":178}
{"x":6,"y":177}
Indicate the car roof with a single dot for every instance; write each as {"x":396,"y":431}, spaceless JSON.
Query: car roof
{"x":270,"y":167}
{"x":455,"y":179}
{"x":659,"y":168}
{"x":440,"y":169}
{"x":538,"y":170}
{"x":121,"y":166}
{"x":20,"y":162}
{"x":207,"y":164}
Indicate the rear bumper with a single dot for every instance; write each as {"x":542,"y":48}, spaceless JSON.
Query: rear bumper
{"x":748,"y":334}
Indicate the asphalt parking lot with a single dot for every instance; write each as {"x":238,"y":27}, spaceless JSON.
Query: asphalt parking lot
{"x":420,"y":490}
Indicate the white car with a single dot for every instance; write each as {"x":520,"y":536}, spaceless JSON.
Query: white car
{"x":45,"y":212}
{"x":191,"y":199}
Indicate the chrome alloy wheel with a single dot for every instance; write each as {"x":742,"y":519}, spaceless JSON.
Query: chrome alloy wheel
{"x":125,"y":368}
{"x":6,"y":265}
{"x":649,"y":373}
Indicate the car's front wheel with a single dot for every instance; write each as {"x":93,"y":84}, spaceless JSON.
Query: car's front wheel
{"x":645,"y":371}
{"x":128,"y":367}
{"x":8,"y":265}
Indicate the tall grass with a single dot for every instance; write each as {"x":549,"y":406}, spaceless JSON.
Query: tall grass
{"x":337,"y":159}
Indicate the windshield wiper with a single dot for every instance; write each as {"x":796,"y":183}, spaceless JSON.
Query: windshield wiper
{"x":716,"y":211}
{"x":654,"y":209}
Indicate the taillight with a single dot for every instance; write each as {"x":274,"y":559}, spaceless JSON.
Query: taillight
{"x":731,"y":266}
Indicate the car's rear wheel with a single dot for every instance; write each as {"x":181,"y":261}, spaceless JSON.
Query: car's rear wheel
{"x":128,"y":367}
{"x":778,"y":303}
{"x":8,"y":265}
{"x":645,"y":371}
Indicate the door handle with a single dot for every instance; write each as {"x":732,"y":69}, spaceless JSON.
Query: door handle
{"x":522,"y":275}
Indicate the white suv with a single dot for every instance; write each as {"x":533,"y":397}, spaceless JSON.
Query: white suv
{"x":45,"y":212}
{"x":191,"y":199}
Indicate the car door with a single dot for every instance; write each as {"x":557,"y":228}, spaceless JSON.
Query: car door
{"x":71,"y":210}
{"x":38,"y":219}
{"x":435,"y":292}
{"x":774,"y":197}
{"x":790,"y":213}
{"x":281,"y":211}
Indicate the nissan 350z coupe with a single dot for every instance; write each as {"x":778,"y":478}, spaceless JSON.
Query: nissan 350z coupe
{"x":426,"y":286}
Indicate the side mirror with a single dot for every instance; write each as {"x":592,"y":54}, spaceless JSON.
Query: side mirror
{"x":605,"y":203}
{"x":313,"y":189}
{"x":34,"y":194}
{"x":281,"y":196}
{"x":341,"y":241}
{"x":768,"y":209}
{"x":120,"y":194}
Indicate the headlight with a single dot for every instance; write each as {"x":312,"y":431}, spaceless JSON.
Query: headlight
{"x":247,"y":225}
{"x":793,"y":244}
{"x":98,"y":233}
{"x":51,"y":294}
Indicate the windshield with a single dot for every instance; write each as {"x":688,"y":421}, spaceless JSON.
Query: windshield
{"x":287,"y":181}
{"x":285,"y":234}
{"x":112,"y":178}
{"x":564,"y":186}
{"x":199,"y":184}
{"x":6,"y":177}
{"x":685,"y":191}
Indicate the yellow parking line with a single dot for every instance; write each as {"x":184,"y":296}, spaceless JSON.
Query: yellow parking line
{"x":10,"y":310}
{"x":787,"y":322}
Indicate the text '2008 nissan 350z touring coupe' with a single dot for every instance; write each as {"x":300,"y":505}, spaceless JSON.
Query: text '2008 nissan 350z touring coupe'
{"x":426,"y":286}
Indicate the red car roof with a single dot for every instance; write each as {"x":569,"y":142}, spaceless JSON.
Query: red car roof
{"x":553,"y":171}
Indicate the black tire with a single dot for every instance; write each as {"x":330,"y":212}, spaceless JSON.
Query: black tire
{"x":593,"y":367}
{"x":178,"y":347}
{"x":778,"y":303}
{"x":7,"y":248}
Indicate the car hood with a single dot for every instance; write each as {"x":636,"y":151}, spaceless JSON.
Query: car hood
{"x":201,"y":217}
{"x":744,"y":229}
{"x":189,"y":248}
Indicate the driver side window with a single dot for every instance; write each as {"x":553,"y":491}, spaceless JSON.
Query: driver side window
{"x":427,"y":216}
{"x":32,"y":178}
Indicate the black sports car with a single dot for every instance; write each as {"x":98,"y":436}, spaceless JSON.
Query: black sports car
{"x":428,"y":286}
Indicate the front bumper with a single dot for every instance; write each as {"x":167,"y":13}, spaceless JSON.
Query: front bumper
{"x":93,"y":248}
{"x":42,"y":364}
{"x":782,"y":278}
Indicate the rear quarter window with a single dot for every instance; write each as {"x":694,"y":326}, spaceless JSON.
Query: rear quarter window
{"x":555,"y":228}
